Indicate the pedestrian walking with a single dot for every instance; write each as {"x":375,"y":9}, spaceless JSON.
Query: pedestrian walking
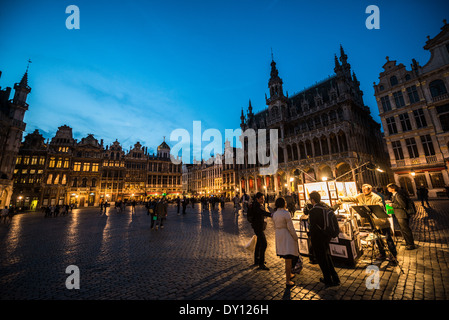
{"x":320,"y":241}
{"x":5,"y":214}
{"x":184,"y":205}
{"x":178,"y":204}
{"x":236,"y":201}
{"x":133,"y":206}
{"x":399,"y":202}
{"x":161,"y":212}
{"x":286,"y":238}
{"x":423,"y":195}
{"x":256,"y":216}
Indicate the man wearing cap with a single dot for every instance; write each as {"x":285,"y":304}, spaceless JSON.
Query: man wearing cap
{"x":367,"y":197}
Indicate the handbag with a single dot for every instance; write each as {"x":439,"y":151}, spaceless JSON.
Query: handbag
{"x":251,"y":245}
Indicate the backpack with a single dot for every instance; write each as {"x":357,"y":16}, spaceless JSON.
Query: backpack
{"x":331,"y":228}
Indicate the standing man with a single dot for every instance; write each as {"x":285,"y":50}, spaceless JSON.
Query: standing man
{"x":320,"y":242}
{"x":256,"y":215}
{"x":178,"y":203}
{"x":423,"y":195}
{"x":184,"y":205}
{"x":399,"y":204}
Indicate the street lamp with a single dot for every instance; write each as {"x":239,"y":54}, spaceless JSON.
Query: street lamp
{"x":412,"y":172}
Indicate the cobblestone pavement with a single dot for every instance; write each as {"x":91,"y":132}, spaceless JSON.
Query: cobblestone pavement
{"x":197,"y":256}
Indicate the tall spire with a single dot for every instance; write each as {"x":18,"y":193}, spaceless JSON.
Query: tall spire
{"x":337,"y":64}
{"x":343,"y":56}
{"x":250,"y":107}
{"x":24,"y":81}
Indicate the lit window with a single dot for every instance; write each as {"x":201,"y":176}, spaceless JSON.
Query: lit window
{"x":77,"y":166}
{"x":52,"y":163}
{"x":86,"y":166}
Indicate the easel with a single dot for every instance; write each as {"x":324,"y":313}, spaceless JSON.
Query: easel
{"x":368,"y":212}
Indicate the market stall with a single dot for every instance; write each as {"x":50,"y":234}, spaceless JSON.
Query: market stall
{"x":347,"y":247}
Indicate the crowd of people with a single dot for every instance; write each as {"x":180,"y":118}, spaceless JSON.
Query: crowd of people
{"x":286,"y":239}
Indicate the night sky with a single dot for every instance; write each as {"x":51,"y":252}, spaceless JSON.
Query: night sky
{"x":137,"y":70}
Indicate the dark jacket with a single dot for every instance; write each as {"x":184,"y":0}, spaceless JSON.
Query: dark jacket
{"x":258,"y":216}
{"x":399,"y":204}
{"x":316,"y":218}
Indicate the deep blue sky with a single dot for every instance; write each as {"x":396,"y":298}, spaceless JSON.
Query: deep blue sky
{"x":136,"y":70}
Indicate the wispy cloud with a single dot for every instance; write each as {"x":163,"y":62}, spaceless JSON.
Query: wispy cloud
{"x":107,"y":106}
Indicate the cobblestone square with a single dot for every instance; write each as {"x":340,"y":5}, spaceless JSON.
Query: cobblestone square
{"x":197,"y":256}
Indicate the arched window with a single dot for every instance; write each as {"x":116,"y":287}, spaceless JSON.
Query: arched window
{"x":393,"y":81}
{"x":437,"y":88}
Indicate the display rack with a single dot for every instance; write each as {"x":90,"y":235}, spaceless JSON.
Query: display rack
{"x":347,"y":247}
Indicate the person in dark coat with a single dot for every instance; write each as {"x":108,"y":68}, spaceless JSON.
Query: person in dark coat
{"x":423,"y":195}
{"x":184,"y":205}
{"x":320,"y":242}
{"x":399,"y":204}
{"x":258,"y":225}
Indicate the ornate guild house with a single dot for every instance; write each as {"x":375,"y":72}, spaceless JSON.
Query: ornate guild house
{"x":414,"y":108}
{"x":325,"y":132}
{"x":86,"y":173}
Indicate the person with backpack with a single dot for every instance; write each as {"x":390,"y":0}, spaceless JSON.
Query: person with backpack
{"x":368,"y":198}
{"x":256,"y":216}
{"x":320,"y":238}
{"x":403,"y":208}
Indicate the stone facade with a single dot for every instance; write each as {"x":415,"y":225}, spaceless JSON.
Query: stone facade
{"x":87,"y":173}
{"x":414,"y":108}
{"x":324,"y":131}
{"x":12,"y":112}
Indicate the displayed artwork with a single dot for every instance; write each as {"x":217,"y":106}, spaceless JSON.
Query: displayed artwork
{"x":320,"y":187}
{"x":351,"y":189}
{"x":354,"y":252}
{"x":296,"y":224}
{"x":331,"y":185}
{"x":300,"y":188}
{"x":334,"y":240}
{"x":302,"y":203}
{"x":341,"y":190}
{"x":303,"y":246}
{"x":301,"y":196}
{"x":338,"y":250}
{"x":333,"y":194}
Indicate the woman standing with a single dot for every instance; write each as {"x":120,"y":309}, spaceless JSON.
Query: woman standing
{"x":286,"y":238}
